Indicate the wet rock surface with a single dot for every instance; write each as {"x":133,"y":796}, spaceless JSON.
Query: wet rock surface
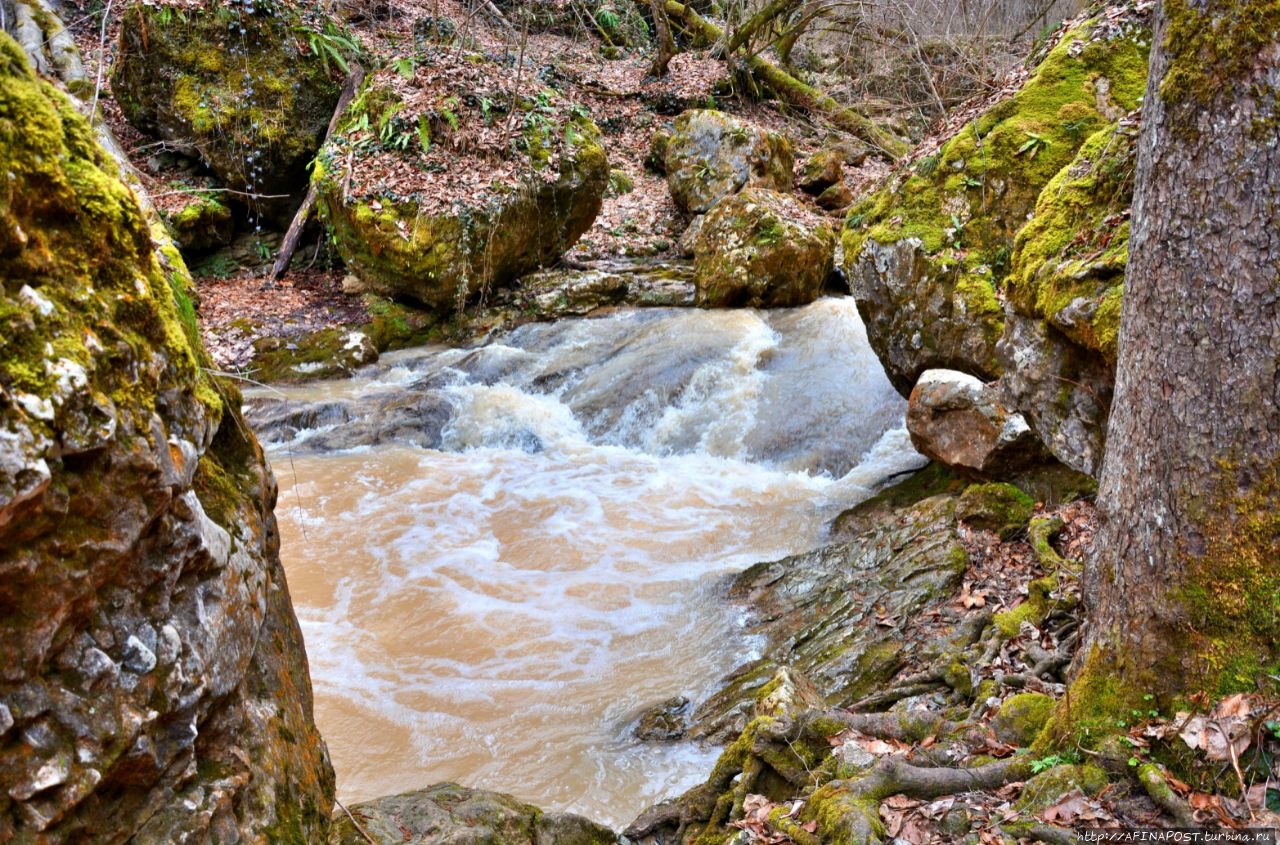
{"x":450,"y":813}
{"x":711,"y":155}
{"x":153,"y":686}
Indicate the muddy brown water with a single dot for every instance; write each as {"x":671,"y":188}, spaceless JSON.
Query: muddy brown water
{"x":493,"y":597}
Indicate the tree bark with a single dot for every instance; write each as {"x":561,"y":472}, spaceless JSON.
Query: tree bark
{"x":666,"y":44}
{"x":1183,"y":590}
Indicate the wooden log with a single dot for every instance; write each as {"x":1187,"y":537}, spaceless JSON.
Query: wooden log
{"x":794,"y":91}
{"x":291,"y":237}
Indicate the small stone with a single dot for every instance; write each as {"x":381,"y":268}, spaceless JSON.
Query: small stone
{"x":137,"y":657}
{"x":53,"y":773}
{"x":353,"y":285}
{"x":6,"y":719}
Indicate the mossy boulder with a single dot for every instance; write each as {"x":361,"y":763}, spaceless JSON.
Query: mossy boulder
{"x":997,"y":507}
{"x":1051,"y":786}
{"x":154,"y":686}
{"x":232,"y":83}
{"x":928,"y":254}
{"x":761,"y":249}
{"x":1064,"y":294}
{"x":423,"y":236}
{"x":711,"y":155}
{"x":956,"y":419}
{"x":201,"y":224}
{"x":447,"y":812}
{"x":1022,"y":717}
{"x":823,"y":169}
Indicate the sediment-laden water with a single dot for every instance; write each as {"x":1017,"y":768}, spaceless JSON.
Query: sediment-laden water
{"x":499,"y":556}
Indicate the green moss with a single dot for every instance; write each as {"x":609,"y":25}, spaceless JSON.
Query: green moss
{"x":1034,"y":610}
{"x":256,"y":105}
{"x":998,"y":507}
{"x":1023,"y":716}
{"x":1048,"y":787}
{"x":842,"y":816}
{"x":966,"y":204}
{"x":1231,"y":591}
{"x":1209,"y":51}
{"x":98,"y":299}
{"x":1073,"y":252}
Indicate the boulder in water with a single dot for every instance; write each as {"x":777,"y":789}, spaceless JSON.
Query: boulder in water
{"x":154,"y":686}
{"x":451,"y":225}
{"x":232,"y":83}
{"x":711,"y":155}
{"x":447,"y":812}
{"x":956,"y":419}
{"x":761,"y":249}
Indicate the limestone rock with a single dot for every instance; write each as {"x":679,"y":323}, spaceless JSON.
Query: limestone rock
{"x":450,"y":813}
{"x":1065,"y":289}
{"x":817,"y":611}
{"x":154,"y":686}
{"x":927,"y":254}
{"x":823,"y":169}
{"x":444,"y":255}
{"x":956,"y":419}
{"x":761,"y":249}
{"x":711,"y":155}
{"x":230,"y":82}
{"x":836,"y":197}
{"x":202,"y":224}
{"x":664,"y":722}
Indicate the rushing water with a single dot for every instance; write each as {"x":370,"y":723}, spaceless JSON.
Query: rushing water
{"x":500,"y":556}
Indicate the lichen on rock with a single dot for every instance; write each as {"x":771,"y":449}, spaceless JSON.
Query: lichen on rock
{"x":432,"y":193}
{"x":153,"y":675}
{"x":711,"y":155}
{"x":761,"y":249}
{"x":233,"y":83}
{"x":927,"y":255}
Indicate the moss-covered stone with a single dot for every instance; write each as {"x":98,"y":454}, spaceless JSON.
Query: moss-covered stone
{"x":1049,"y":787}
{"x":1022,"y":717}
{"x":997,"y":507}
{"x":203,"y":223}
{"x":711,"y":155}
{"x":447,"y":255}
{"x":762,"y":249}
{"x":927,"y":254}
{"x":146,"y":630}
{"x":234,"y":83}
{"x":448,"y":812}
{"x":1034,"y":610}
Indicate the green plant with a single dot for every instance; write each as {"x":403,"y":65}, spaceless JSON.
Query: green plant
{"x":406,"y":67}
{"x":424,"y":133}
{"x":332,"y":45}
{"x":1034,"y":144}
{"x":1045,"y":763}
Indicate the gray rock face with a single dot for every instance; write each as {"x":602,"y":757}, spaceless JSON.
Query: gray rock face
{"x":836,"y":615}
{"x":956,"y":419}
{"x":1063,"y":388}
{"x":153,"y":684}
{"x":448,"y":813}
{"x":711,"y":155}
{"x":921,"y":314}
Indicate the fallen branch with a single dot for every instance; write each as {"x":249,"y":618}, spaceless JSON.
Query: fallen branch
{"x":794,"y":91}
{"x":290,"y":243}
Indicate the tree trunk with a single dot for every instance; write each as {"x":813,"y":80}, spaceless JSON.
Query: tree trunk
{"x":666,"y":44}
{"x":1183,"y":591}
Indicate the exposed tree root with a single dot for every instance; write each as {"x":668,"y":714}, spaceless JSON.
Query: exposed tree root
{"x":1157,"y":787}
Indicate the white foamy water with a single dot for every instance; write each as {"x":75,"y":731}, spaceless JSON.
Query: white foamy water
{"x":497,"y":609}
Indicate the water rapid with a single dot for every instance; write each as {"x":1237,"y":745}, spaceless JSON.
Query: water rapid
{"x":499,"y":556}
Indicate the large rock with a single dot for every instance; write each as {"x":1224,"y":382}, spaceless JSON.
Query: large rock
{"x":956,"y":419}
{"x":762,"y":249}
{"x":247,"y":87}
{"x":153,"y":683}
{"x":448,"y":813}
{"x":711,"y":155}
{"x":1059,"y":344}
{"x":837,"y":615}
{"x":452,"y":225}
{"x":928,"y":254}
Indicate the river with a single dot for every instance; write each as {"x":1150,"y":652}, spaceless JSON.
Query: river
{"x":500,"y":556}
